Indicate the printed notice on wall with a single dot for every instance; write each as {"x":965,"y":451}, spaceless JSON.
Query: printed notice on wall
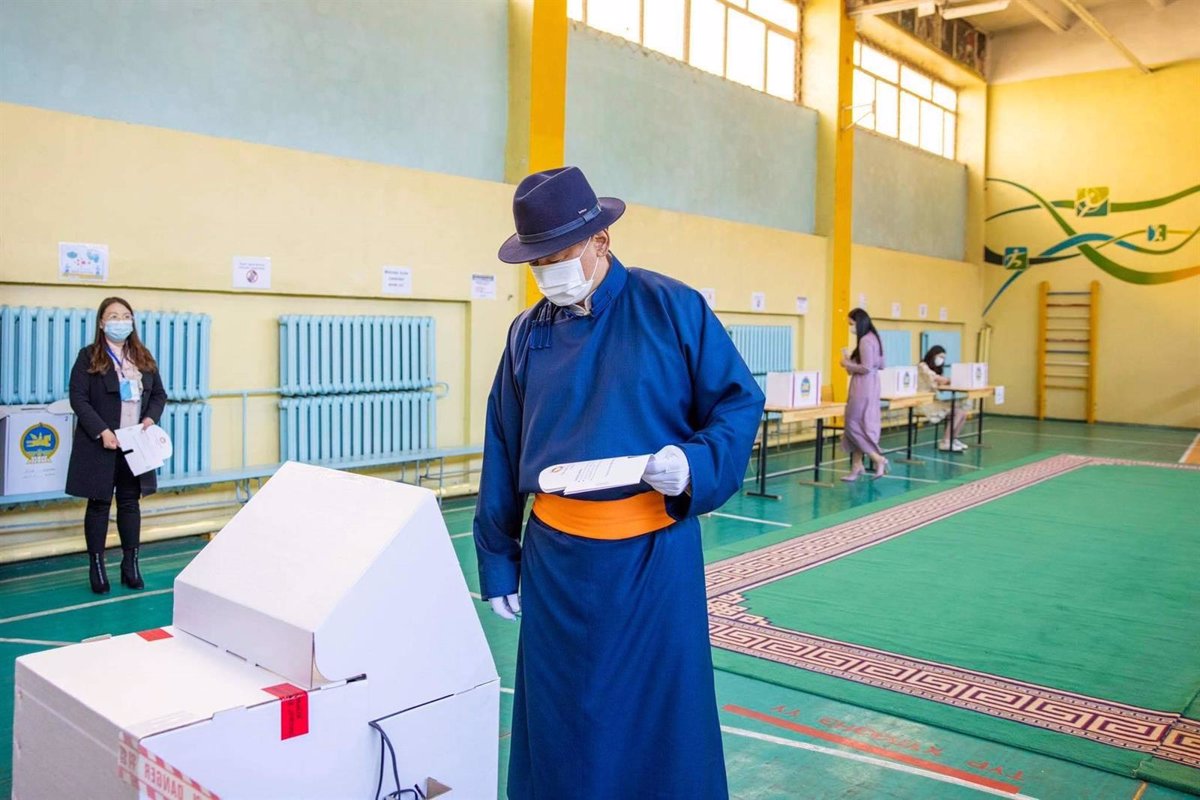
{"x":710,"y":297}
{"x":896,"y":310}
{"x":483,"y":287}
{"x":999,"y":398}
{"x":83,"y":262}
{"x":397,"y":280}
{"x":801,"y":305}
{"x":758,"y":301}
{"x":923,"y":311}
{"x":943,"y":313}
{"x":862,"y":301}
{"x":251,"y":272}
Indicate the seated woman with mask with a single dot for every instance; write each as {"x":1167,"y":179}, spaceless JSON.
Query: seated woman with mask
{"x":931,"y":379}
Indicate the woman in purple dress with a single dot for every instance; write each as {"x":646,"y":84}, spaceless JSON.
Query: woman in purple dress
{"x":863,"y":422}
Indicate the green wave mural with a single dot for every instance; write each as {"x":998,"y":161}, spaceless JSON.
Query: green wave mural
{"x":1094,"y":201}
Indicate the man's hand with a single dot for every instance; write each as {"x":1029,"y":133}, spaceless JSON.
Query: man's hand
{"x":668,"y":471}
{"x":108,"y":439}
{"x":507,"y":607}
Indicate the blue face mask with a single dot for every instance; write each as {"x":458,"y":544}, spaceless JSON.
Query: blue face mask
{"x":118,"y":329}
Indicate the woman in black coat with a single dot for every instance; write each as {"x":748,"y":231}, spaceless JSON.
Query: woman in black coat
{"x":114,"y":384}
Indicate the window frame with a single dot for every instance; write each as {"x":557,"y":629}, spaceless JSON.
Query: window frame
{"x":728,"y":7}
{"x":949,"y":150}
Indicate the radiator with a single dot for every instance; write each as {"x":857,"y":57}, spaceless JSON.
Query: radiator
{"x":764,"y":348}
{"x":190,"y":428}
{"x":342,"y":355}
{"x":341,"y":427}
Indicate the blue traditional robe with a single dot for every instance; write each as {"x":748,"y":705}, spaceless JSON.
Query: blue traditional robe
{"x":614,"y":689}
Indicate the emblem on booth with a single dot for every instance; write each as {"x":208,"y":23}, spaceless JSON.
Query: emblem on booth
{"x":39,"y":443}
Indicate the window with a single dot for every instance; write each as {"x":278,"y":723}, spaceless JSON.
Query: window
{"x":753,"y":42}
{"x":898,"y":101}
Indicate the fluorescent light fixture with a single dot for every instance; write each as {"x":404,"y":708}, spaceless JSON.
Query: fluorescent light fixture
{"x":955,"y":12}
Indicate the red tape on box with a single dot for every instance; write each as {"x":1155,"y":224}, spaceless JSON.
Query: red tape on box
{"x":293,"y":711}
{"x":154,"y":635}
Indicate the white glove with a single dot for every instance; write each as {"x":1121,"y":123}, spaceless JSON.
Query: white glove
{"x":507,"y":607}
{"x":668,"y":471}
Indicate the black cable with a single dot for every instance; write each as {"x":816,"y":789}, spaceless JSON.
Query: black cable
{"x":385,"y":742}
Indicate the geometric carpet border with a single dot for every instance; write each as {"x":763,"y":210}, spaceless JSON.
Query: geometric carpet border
{"x":1164,"y":735}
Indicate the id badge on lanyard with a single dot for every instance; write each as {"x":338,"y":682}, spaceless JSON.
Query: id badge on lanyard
{"x":131,"y":390}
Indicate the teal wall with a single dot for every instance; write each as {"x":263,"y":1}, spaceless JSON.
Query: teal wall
{"x":416,"y":83}
{"x":908,"y":199}
{"x":660,"y":133}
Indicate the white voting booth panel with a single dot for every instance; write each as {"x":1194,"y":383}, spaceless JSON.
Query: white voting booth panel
{"x":793,"y":389}
{"x":969,"y":375}
{"x":895,"y":381}
{"x":330,"y":600}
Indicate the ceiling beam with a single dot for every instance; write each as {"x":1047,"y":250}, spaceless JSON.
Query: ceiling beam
{"x":1104,"y":33}
{"x":1045,"y":17}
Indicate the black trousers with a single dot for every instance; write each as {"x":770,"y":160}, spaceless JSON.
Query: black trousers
{"x":128,"y":490}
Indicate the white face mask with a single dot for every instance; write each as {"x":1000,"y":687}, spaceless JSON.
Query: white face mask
{"x":939,"y":360}
{"x":563,"y":282}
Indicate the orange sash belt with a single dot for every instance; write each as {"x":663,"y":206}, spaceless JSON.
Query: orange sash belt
{"x":604,"y":519}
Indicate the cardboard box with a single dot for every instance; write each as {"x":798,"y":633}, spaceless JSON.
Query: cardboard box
{"x":898,"y":381}
{"x":37,"y":449}
{"x":793,"y":389}
{"x":969,"y":375}
{"x":331,"y":600}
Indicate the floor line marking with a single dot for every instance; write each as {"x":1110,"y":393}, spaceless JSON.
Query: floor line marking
{"x":748,"y":519}
{"x":1090,"y":438}
{"x":5,"y":640}
{"x":506,"y":690}
{"x":82,"y":568}
{"x":1186,"y":458}
{"x":878,"y":762}
{"x":1141,"y":790}
{"x":78,"y":606}
{"x":476,"y":595}
{"x":920,"y":764}
{"x":461,"y":535}
{"x":947,"y":461}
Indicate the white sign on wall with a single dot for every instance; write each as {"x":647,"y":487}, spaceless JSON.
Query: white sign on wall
{"x":999,"y":398}
{"x":758,"y":301}
{"x":483,"y":287}
{"x":923,"y":311}
{"x":862,"y":300}
{"x":895,"y":310}
{"x":943,"y":313}
{"x":801,"y":305}
{"x":710,"y":297}
{"x":397,"y":280}
{"x":251,"y":272}
{"x":82,"y":261}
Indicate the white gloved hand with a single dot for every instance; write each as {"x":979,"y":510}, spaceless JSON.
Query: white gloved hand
{"x":507,"y":607}
{"x":668,"y":471}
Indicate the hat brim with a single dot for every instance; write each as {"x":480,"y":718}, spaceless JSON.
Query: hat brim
{"x":514,"y":251}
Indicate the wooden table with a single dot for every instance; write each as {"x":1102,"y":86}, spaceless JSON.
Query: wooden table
{"x":980,"y":394}
{"x":817,"y":413}
{"x":910,"y":402}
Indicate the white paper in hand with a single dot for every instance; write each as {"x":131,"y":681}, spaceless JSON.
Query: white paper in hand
{"x":591,"y":476}
{"x":145,"y":449}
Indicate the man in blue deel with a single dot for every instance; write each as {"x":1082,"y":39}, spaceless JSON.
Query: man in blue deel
{"x":614,"y":689}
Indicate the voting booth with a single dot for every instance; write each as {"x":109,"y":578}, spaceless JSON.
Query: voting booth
{"x":37,"y":449}
{"x":898,"y":381}
{"x":793,"y":389}
{"x":969,"y":375}
{"x":330,"y":604}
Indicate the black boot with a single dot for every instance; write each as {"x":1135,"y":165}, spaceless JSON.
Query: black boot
{"x":131,"y":575}
{"x":98,"y":573}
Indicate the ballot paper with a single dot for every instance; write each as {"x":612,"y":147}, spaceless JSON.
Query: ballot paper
{"x":145,"y":448}
{"x":591,"y":476}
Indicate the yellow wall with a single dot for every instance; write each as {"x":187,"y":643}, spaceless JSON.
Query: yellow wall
{"x":1137,"y":135}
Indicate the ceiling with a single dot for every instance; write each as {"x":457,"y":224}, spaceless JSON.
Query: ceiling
{"x":1017,"y":15}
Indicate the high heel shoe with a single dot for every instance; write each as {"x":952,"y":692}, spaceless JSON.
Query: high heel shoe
{"x":131,"y":574}
{"x":853,"y":476}
{"x":882,"y":467}
{"x":98,"y":573}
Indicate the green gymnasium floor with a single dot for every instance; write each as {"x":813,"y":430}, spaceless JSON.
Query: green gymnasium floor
{"x":781,"y":742}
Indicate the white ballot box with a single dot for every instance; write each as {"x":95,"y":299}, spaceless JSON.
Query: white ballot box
{"x":329,"y":602}
{"x":37,"y":449}
{"x":793,"y":389}
{"x":969,"y":375}
{"x":897,"y":381}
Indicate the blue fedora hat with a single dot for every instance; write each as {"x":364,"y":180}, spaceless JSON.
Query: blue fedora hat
{"x":554,"y":210}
